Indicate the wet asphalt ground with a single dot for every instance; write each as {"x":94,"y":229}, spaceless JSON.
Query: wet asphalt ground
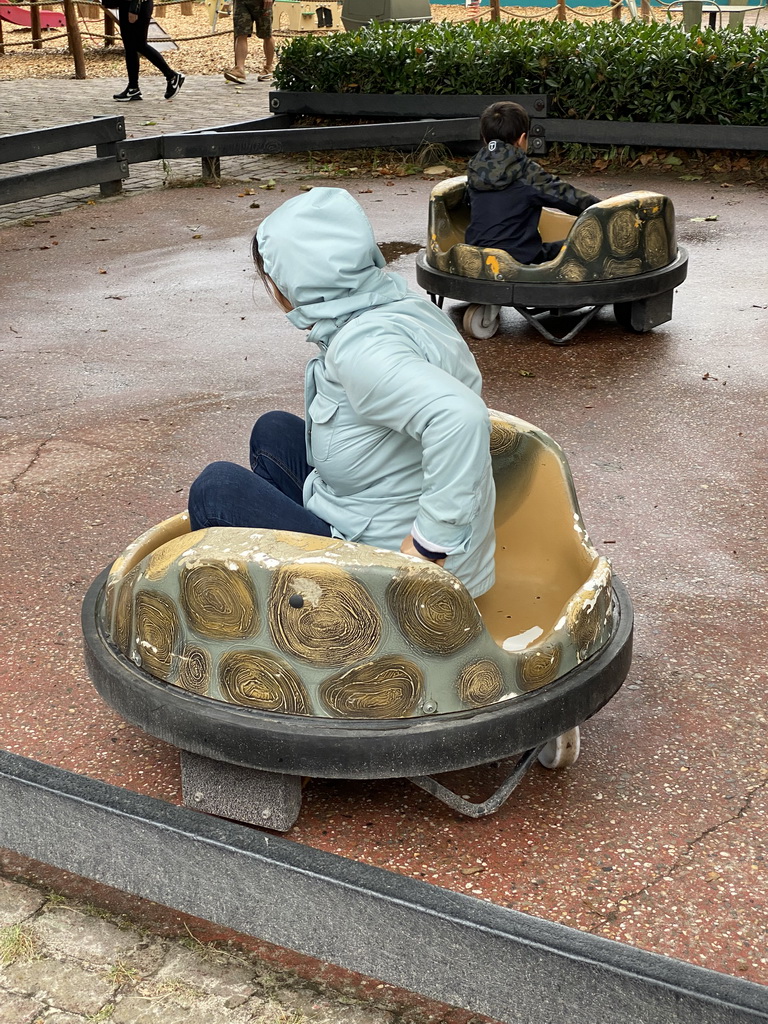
{"x":135,"y":347}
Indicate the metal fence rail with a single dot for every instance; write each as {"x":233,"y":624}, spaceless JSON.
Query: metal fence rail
{"x":108,"y":169}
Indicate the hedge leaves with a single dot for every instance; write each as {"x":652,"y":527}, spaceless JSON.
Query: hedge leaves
{"x":602,"y":71}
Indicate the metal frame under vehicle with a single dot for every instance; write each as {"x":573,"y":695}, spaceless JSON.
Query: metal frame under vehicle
{"x":640,"y":302}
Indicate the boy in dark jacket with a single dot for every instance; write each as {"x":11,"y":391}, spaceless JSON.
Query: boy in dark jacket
{"x":507,"y":190}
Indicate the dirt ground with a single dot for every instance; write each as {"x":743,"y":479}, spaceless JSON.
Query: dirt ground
{"x":199,"y":52}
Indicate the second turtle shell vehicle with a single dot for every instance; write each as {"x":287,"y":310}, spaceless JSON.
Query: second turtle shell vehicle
{"x":270,"y":656}
{"x":621,"y":252}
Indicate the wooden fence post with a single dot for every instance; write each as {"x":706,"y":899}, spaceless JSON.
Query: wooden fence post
{"x":110,"y":29}
{"x":645,"y":10}
{"x":561,"y":16}
{"x":616,"y":12}
{"x":37,"y":32}
{"x":75,"y":40}
{"x":495,"y":10}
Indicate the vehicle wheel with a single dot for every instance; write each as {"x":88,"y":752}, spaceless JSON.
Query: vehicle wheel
{"x":562,"y":751}
{"x":481,"y":322}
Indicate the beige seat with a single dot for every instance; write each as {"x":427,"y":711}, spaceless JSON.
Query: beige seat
{"x":320,"y":627}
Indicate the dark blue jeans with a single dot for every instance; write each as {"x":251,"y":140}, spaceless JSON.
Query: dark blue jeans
{"x":269,"y":495}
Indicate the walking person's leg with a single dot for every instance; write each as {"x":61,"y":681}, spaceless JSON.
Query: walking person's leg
{"x":264,"y":32}
{"x":242,"y":26}
{"x":174,"y":79}
{"x":130,"y":36}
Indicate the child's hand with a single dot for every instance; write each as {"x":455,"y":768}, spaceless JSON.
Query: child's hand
{"x":408,"y":548}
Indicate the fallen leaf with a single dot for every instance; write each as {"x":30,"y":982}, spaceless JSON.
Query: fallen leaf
{"x":712,"y":216}
{"x":438,"y":169}
{"x":255,"y":206}
{"x":113,"y":296}
{"x":365,"y":191}
{"x":725,"y":184}
{"x":708,"y":376}
{"x":102,"y":271}
{"x":475,"y":870}
{"x":306,"y":188}
{"x":197,"y":236}
{"x":526,"y":373}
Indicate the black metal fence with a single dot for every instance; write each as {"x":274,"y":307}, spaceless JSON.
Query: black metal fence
{"x":385,"y":122}
{"x":107,"y":134}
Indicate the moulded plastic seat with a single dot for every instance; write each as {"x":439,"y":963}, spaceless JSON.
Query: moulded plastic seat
{"x":312,"y":626}
{"x":618,"y":237}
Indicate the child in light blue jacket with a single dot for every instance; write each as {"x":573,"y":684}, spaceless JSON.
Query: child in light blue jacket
{"x":394,"y":451}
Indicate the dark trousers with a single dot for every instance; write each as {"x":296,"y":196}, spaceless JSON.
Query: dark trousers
{"x":134,"y":36}
{"x":269,"y":495}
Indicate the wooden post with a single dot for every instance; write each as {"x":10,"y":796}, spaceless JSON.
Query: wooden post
{"x":645,"y":10}
{"x":74,"y":38}
{"x":2,"y":48}
{"x":561,"y":10}
{"x":37,"y":31}
{"x":495,"y":10}
{"x":616,"y":12}
{"x":109,"y":29}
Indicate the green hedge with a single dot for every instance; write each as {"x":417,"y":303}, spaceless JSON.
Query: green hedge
{"x":602,"y":71}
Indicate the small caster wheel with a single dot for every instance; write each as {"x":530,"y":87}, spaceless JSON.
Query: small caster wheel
{"x":562,"y":751}
{"x":481,"y":322}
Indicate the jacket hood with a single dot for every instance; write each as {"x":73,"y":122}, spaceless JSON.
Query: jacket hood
{"x":319,"y":250}
{"x":497,"y":165}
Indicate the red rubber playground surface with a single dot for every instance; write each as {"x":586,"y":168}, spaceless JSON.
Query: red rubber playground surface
{"x":136,"y":348}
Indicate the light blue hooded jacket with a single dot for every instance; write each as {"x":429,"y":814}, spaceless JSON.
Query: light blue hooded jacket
{"x":396,"y":428}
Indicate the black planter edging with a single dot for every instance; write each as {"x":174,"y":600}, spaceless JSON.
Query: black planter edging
{"x":544,"y":129}
{"x":444,"y":945}
{"x":394,"y":106}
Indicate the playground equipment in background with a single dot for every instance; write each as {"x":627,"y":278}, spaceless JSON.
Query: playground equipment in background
{"x":268,"y":657}
{"x":621,"y":252}
{"x":22,"y":17}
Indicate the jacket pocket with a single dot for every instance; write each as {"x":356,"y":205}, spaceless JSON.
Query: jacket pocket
{"x":323,"y":417}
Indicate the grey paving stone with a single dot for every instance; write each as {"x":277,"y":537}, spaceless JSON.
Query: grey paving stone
{"x":136,"y":1009}
{"x":58,"y":1017}
{"x":59,"y":984}
{"x":19,"y":1009}
{"x":18,"y":902}
{"x":30,"y":104}
{"x":84,"y":937}
{"x":200,"y":972}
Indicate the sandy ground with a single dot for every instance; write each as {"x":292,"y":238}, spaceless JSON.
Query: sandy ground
{"x":199,"y":52}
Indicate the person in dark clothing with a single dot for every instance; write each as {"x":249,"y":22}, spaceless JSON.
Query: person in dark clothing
{"x":134,"y":17}
{"x":506,"y":190}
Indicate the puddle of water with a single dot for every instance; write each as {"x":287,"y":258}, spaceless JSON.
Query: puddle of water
{"x":394,"y":250}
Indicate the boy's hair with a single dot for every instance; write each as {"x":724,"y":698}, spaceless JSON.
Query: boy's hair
{"x":506,"y":121}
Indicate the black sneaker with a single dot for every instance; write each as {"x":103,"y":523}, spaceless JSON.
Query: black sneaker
{"x":174,"y":84}
{"x":128,"y":95}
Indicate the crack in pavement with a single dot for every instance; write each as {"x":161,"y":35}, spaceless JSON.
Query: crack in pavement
{"x":610,"y":916}
{"x":38,"y":452}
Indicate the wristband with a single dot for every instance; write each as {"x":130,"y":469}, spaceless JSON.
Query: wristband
{"x":433,"y":556}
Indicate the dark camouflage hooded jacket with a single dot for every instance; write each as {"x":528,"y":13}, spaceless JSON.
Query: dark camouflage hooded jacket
{"x":506,"y":192}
